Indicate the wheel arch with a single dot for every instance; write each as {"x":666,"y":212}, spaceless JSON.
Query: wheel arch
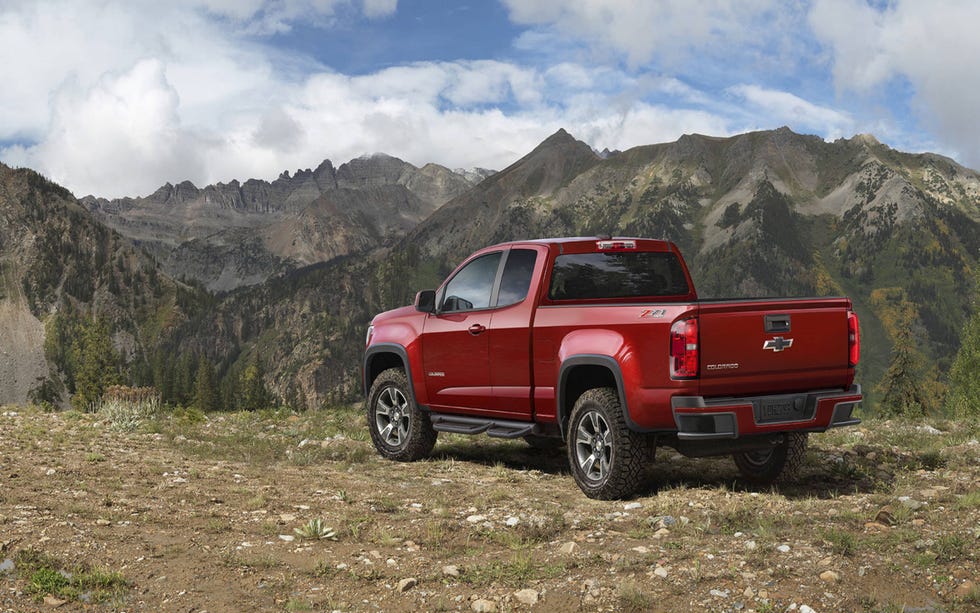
{"x":382,"y":356}
{"x":580,"y":373}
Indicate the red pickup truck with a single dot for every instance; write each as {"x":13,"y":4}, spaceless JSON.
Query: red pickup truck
{"x":603,"y":343}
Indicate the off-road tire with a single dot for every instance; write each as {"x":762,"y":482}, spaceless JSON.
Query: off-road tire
{"x":779,"y":463}
{"x":597,"y":432}
{"x":399,"y":429}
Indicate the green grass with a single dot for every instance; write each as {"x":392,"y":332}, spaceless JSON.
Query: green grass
{"x":970,"y":500}
{"x":385,"y":505}
{"x":516,"y":572}
{"x":841,"y":542}
{"x":951,"y":547}
{"x":270,"y":436}
{"x":128,"y":415}
{"x":632,"y":599}
{"x":234,"y":559}
{"x":46,"y":574}
{"x":928,"y":459}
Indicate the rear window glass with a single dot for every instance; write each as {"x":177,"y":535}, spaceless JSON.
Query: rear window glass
{"x":584,"y":276}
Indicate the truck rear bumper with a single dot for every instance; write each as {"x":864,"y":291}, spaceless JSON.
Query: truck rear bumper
{"x":698,"y":418}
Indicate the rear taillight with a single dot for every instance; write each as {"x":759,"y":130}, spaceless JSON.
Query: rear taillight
{"x":684,"y":349}
{"x":853,"y":339}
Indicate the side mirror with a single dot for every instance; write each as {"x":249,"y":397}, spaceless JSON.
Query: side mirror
{"x":425,"y":301}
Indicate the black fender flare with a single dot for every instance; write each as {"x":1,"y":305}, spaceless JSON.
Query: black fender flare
{"x":378,"y":348}
{"x":603,"y":361}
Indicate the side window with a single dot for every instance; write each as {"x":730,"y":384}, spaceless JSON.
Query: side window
{"x":517,"y":276}
{"x":471,"y":287}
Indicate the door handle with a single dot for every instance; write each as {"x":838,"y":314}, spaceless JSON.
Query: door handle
{"x":477,"y":329}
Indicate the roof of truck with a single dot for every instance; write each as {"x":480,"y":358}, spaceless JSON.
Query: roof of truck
{"x":648,"y":243}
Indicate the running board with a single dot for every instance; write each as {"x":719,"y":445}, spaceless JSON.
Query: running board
{"x":499,"y":428}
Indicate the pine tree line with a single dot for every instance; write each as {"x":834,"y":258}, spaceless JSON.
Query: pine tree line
{"x":81,"y":349}
{"x":911,"y":387}
{"x":964,"y":376}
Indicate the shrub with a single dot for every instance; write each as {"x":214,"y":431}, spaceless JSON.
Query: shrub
{"x":126,"y":408}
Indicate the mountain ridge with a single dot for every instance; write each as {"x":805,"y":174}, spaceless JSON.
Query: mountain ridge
{"x":767,"y":213}
{"x":752,"y":213}
{"x":226,"y":235}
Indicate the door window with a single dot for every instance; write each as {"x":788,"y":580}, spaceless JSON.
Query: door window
{"x":516,"y":279}
{"x":472,"y":286}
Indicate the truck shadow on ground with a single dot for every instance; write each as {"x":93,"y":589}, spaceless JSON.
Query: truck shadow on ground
{"x":824,"y":476}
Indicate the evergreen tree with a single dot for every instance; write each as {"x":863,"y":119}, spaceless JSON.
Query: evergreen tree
{"x":254,"y":394}
{"x":60,"y":335}
{"x":964,"y":377}
{"x":230,"y":391}
{"x":206,"y":396}
{"x":183,"y":390}
{"x":163,"y":375}
{"x":97,"y":365}
{"x":910,"y":387}
{"x":901,"y":393}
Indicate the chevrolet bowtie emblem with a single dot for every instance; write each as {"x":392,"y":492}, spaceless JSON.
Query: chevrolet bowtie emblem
{"x":778,"y":344}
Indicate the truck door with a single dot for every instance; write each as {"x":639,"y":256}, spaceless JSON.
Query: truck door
{"x":455,"y":344}
{"x":510,"y":334}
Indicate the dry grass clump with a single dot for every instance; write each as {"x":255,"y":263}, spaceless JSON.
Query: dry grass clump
{"x":127,"y":408}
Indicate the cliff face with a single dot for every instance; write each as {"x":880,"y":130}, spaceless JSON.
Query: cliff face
{"x":235,"y":234}
{"x":61,"y":271}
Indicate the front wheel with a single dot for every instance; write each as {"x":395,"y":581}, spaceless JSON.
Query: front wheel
{"x":605,"y":456}
{"x":777,"y":463}
{"x":399,"y":429}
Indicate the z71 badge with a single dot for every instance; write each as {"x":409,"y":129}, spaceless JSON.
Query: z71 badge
{"x":656,"y":313}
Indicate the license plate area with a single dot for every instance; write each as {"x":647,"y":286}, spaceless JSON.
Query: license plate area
{"x":780,"y":409}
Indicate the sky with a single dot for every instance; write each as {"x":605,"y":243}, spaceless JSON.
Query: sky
{"x":116,"y":98}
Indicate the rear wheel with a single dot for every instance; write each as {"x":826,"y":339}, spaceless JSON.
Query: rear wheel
{"x":605,"y":456}
{"x":399,"y":429}
{"x":775,"y":464}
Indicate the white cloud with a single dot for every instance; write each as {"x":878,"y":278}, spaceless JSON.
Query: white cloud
{"x":667,"y":29}
{"x":115,"y":98}
{"x":786,"y":108}
{"x":643,"y":124}
{"x":116,"y":134}
{"x":175,"y":91}
{"x":930,"y":45}
{"x":171,"y":92}
{"x":278,"y":16}
{"x":379,"y":8}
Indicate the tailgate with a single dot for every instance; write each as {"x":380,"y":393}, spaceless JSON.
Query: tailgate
{"x":773,"y":346}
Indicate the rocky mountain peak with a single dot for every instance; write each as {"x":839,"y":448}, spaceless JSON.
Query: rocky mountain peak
{"x":865,"y":139}
{"x":561,"y":141}
{"x":375,"y":169}
{"x":174,"y":194}
{"x":240,"y":233}
{"x":555,"y":162}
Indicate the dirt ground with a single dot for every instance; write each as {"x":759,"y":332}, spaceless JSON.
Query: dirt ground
{"x":194,"y":513}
